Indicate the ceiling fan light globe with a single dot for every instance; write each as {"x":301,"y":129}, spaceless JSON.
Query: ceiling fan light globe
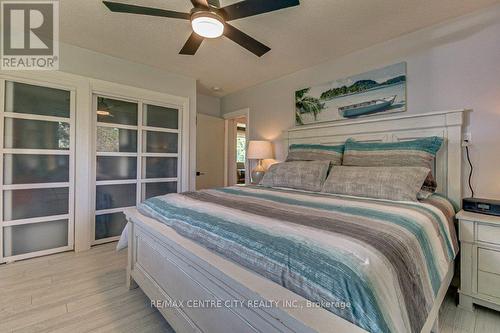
{"x":207,"y":26}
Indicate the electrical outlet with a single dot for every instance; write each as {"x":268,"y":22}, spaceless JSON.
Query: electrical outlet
{"x":466,"y":140}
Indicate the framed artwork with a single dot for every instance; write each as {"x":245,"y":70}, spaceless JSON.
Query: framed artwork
{"x":376,"y":92}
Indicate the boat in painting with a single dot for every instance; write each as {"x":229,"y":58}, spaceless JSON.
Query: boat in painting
{"x":366,"y":108}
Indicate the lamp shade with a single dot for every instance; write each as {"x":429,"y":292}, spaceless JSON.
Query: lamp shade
{"x":259,"y":150}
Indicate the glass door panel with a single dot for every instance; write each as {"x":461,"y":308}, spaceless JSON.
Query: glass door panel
{"x":119,"y":140}
{"x":158,"y":116}
{"x":114,"y":111}
{"x":34,"y":237}
{"x":155,"y":189}
{"x":115,"y":196}
{"x":36,"y":134}
{"x":116,"y":167}
{"x":160,"y":142}
{"x":109,"y":225}
{"x":159,"y":167}
{"x":31,"y":168}
{"x":37,"y":168}
{"x":31,"y":99}
{"x":38,"y":202}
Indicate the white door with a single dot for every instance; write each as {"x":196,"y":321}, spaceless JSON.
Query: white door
{"x":209,"y":152}
{"x":37,"y":170}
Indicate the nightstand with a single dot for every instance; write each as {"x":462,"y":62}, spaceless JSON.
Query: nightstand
{"x":479,"y":236}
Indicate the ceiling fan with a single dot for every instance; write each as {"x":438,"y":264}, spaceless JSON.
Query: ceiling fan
{"x":209,"y":20}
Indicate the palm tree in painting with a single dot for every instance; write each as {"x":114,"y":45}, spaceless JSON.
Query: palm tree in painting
{"x":305,"y":104}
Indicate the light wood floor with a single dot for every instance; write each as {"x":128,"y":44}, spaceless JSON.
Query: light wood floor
{"x":72,"y":293}
{"x":86,"y":292}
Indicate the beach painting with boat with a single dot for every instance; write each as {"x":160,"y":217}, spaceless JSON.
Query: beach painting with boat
{"x":380,"y":91}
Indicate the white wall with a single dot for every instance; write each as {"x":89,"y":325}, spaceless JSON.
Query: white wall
{"x":208,"y":105}
{"x":450,"y":66}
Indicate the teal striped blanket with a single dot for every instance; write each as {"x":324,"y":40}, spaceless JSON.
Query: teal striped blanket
{"x":385,"y":259}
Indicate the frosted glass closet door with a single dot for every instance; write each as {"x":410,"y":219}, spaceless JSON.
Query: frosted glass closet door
{"x":137,"y":157}
{"x":37,"y":170}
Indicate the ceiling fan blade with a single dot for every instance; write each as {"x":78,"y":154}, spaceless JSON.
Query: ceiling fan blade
{"x":192,"y":44}
{"x":214,"y":3}
{"x":205,"y":3}
{"x":249,"y":43}
{"x":255,"y":7}
{"x":200,"y":3}
{"x":132,"y":9}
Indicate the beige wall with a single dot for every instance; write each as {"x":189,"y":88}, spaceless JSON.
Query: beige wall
{"x":450,"y":66}
{"x":208,"y":105}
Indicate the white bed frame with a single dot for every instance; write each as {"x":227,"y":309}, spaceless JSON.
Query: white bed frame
{"x":170,"y":267}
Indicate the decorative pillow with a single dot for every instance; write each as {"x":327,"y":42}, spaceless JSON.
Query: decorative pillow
{"x":393,"y":183}
{"x":419,"y":152}
{"x":302,"y":175}
{"x":424,"y":193}
{"x":312,"y":152}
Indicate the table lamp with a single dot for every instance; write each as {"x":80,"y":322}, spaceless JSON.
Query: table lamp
{"x":259,"y":150}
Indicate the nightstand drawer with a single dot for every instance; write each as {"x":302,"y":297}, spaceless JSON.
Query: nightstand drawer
{"x":488,"y":284}
{"x":488,"y":233}
{"x":488,"y":260}
{"x":479,"y":260}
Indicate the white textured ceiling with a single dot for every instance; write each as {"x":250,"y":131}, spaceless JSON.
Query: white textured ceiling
{"x":300,"y":37}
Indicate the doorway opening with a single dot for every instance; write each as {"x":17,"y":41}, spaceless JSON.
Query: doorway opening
{"x":241,"y":151}
{"x":236,"y":163}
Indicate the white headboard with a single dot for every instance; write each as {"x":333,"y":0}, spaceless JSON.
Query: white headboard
{"x":445,"y":124}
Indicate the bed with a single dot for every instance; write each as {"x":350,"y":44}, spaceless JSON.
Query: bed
{"x":388,"y":271}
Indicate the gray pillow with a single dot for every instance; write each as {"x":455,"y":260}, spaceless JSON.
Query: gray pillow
{"x":315,"y":152}
{"x":419,"y":152}
{"x":302,"y":175}
{"x":393,"y":183}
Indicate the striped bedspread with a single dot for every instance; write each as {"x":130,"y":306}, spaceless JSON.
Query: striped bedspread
{"x":385,"y":260}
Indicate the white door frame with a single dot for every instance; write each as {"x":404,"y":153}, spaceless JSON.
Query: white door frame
{"x":230,"y":116}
